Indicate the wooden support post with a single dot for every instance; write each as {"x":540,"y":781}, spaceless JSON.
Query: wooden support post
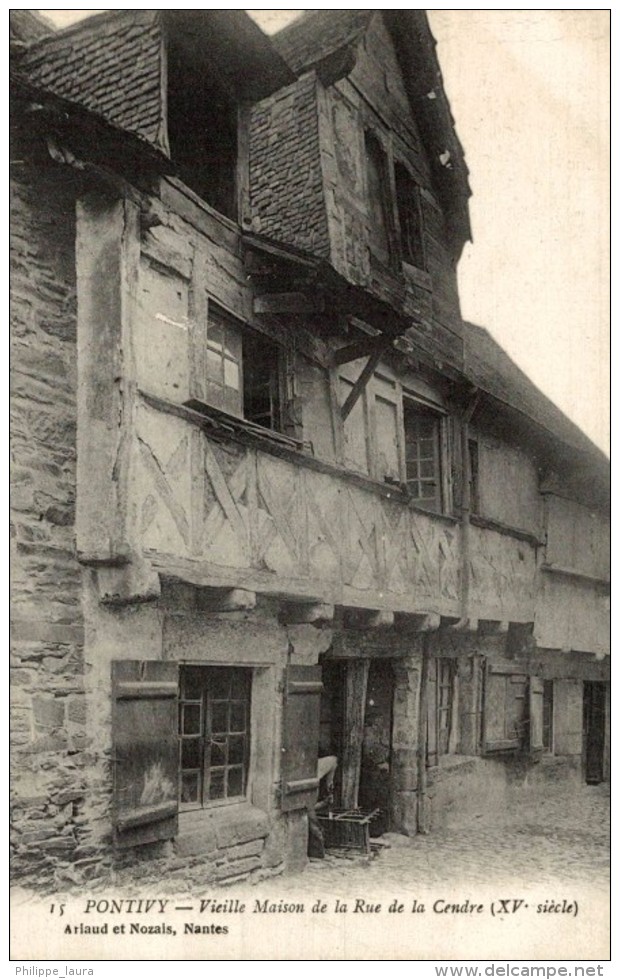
{"x":423,"y":809}
{"x":107,"y":265}
{"x":304,"y":612}
{"x":356,"y":682}
{"x":225,"y":600}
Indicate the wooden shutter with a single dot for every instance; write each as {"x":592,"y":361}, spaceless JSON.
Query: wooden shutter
{"x":145,"y":736}
{"x":504,"y":715}
{"x":300,"y":736}
{"x":456,"y":462}
{"x":536,"y":692}
{"x":568,"y":716}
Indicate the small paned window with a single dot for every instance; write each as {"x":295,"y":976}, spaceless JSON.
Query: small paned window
{"x":445,"y":681}
{"x":423,"y":455}
{"x":440,"y":709}
{"x":223,"y":381}
{"x":409,"y":217}
{"x":214,"y":734}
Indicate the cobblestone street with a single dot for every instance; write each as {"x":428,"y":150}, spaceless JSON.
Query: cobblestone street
{"x":546,"y":840}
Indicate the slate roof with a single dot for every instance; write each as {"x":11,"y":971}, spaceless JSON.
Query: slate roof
{"x":489,"y":367}
{"x":318,"y":33}
{"x":27,"y":25}
{"x":109,"y":64}
{"x":112,"y":63}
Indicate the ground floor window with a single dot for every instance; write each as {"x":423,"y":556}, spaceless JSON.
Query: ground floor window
{"x":440,"y":708}
{"x":214,"y":734}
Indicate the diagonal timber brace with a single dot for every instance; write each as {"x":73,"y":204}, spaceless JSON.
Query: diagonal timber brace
{"x":364,"y":378}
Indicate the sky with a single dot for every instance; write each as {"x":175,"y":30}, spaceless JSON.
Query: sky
{"x":529,"y":92}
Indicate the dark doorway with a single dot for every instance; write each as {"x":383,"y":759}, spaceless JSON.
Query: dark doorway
{"x":594,"y":730}
{"x":369,"y":747}
{"x":331,"y":740}
{"x":375,"y":781}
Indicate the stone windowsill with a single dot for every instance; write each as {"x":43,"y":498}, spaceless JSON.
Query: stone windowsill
{"x":206,"y":831}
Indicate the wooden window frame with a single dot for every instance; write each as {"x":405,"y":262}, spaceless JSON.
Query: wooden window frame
{"x":274,"y":383}
{"x":206,"y":705}
{"x":473,"y":450}
{"x":441,"y":709}
{"x":385,"y":173}
{"x":410,"y":218}
{"x":219,"y":319}
{"x":440,"y":456}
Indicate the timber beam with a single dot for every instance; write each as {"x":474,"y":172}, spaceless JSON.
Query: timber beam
{"x":291,"y":302}
{"x":305,"y":612}
{"x":225,"y":600}
{"x":493,"y":627}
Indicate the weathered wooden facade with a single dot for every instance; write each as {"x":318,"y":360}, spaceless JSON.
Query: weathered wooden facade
{"x":273,"y":498}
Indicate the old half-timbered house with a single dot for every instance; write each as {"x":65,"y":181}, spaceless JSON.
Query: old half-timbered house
{"x":273,"y":499}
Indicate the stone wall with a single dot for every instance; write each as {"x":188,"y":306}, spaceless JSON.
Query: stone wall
{"x":47,"y":689}
{"x":246,"y":841}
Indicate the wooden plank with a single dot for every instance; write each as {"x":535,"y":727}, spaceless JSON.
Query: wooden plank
{"x":356,"y":683}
